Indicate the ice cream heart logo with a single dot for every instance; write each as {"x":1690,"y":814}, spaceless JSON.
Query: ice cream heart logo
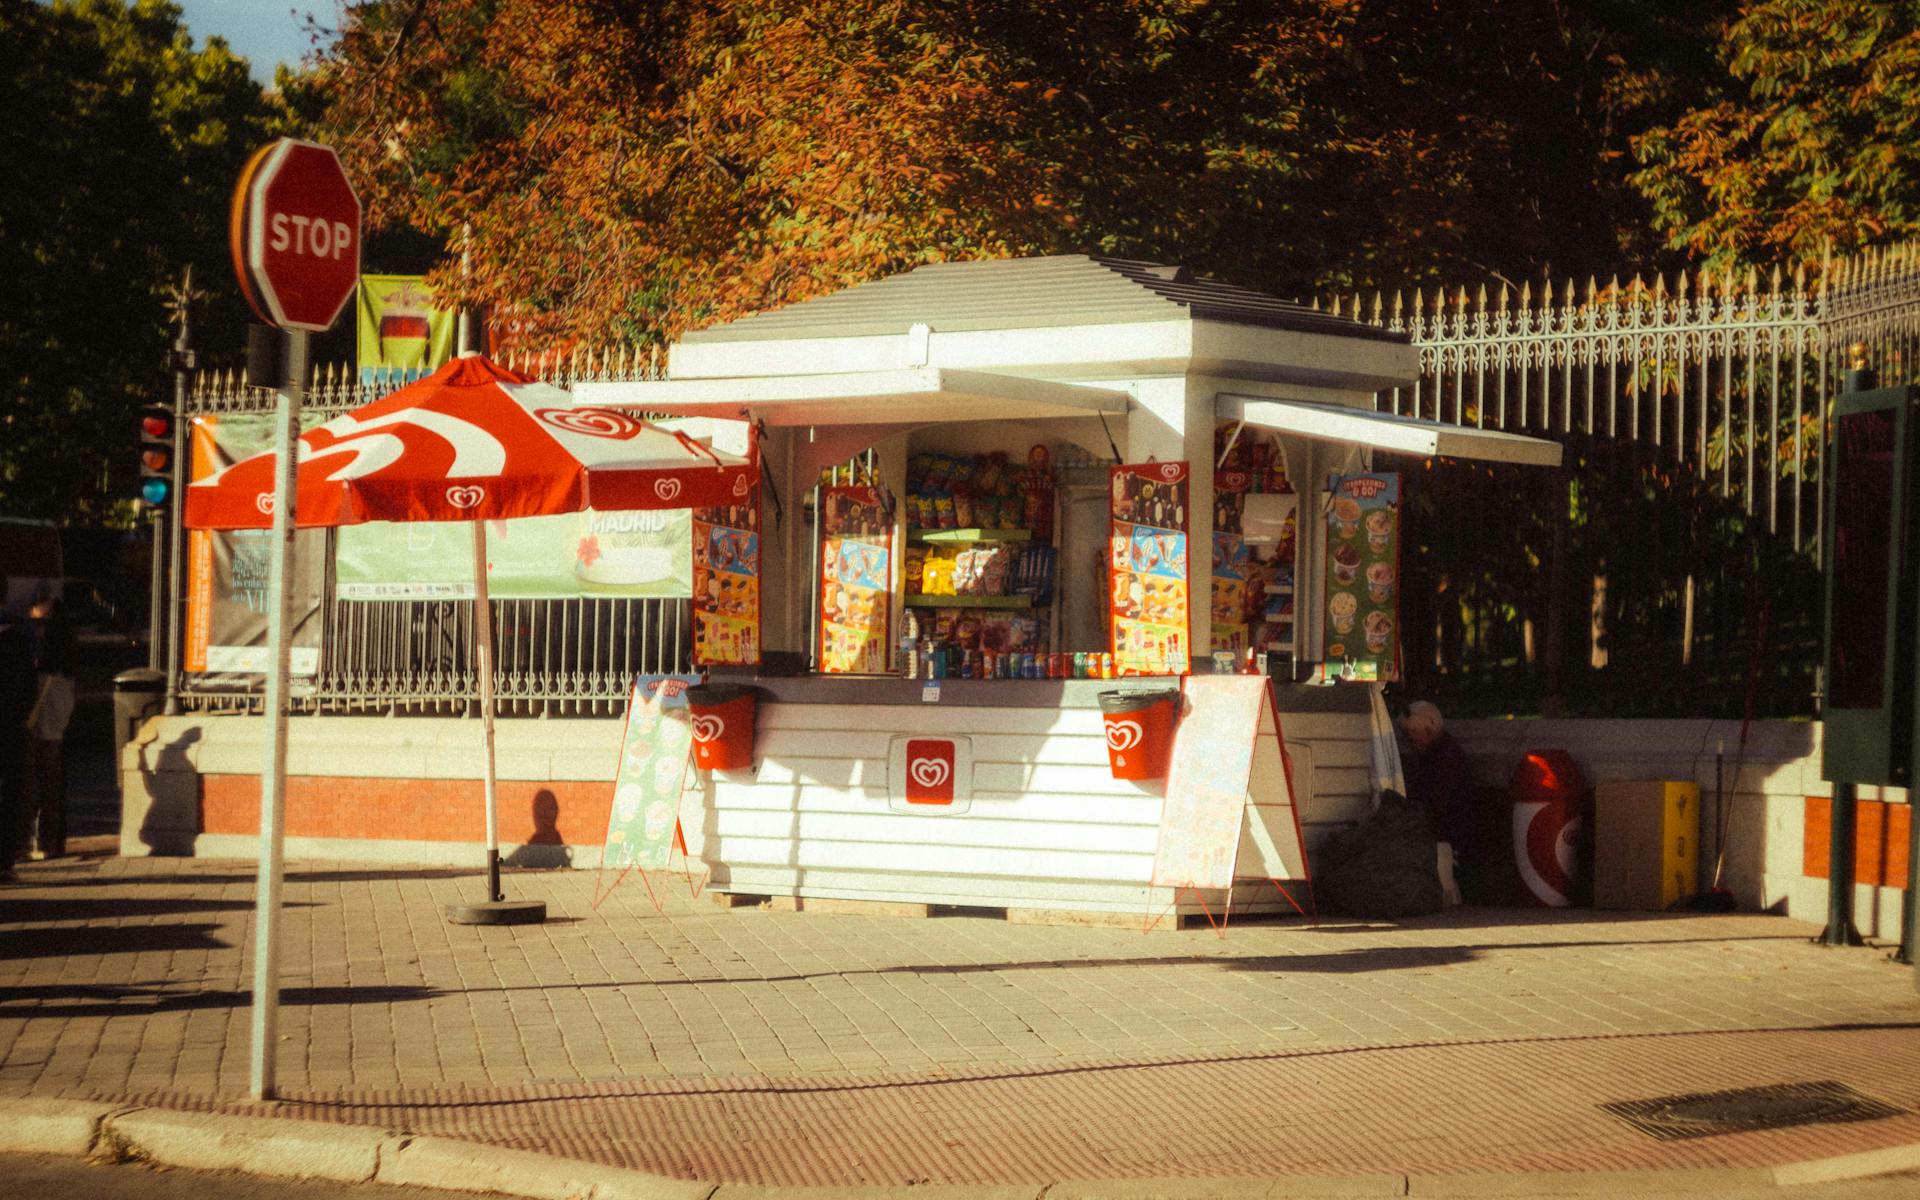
{"x":601,"y":423}
{"x":1170,"y":471}
{"x":466,"y":497}
{"x":929,"y":773}
{"x":264,"y":502}
{"x":740,"y":485}
{"x":666,"y":489}
{"x":707,"y":727}
{"x":1123,"y":735}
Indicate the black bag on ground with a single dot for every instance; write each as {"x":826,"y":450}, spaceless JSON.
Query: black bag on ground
{"x":1384,"y":867}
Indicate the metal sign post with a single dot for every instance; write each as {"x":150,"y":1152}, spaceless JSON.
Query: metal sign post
{"x":295,"y":237}
{"x":273,"y":771}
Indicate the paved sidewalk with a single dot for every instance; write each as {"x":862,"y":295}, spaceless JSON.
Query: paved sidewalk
{"x":780,"y":1048}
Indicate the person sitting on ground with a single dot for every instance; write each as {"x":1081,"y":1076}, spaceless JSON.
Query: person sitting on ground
{"x":1438,"y":778}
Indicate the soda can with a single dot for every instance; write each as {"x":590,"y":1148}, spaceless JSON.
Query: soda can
{"x":1032,"y":664}
{"x":1080,"y":664}
{"x":1106,"y":666}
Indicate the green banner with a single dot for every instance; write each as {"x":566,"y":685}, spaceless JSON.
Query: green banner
{"x":646,"y":553}
{"x":400,"y":330}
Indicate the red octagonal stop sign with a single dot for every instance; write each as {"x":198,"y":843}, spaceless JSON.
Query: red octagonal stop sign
{"x":295,"y":234}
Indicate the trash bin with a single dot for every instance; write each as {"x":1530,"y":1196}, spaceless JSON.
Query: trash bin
{"x":138,"y":693}
{"x":722,"y":725}
{"x":1139,"y":732}
{"x":1549,"y":818}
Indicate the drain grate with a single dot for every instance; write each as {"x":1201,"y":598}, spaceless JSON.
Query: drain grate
{"x":1775,"y":1106}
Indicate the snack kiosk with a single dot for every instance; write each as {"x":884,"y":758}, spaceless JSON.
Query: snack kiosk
{"x":990,"y":493}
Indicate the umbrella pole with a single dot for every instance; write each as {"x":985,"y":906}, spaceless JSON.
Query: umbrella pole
{"x":496,"y":909}
{"x":483,"y":634}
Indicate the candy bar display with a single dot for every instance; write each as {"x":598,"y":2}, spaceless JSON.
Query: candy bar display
{"x":979,"y":568}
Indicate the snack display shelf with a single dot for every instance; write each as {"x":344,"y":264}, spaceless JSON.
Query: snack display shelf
{"x":923,"y":600}
{"x":969,"y":535}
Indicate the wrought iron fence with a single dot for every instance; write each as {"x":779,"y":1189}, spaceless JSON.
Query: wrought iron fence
{"x":559,"y":657}
{"x":1669,"y":568}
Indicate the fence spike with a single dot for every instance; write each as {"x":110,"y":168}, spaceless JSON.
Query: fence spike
{"x":1480,"y":298}
{"x":1503,"y":296}
{"x":1460,"y":302}
{"x":1593,"y":290}
{"x":1526,"y":294}
{"x":1419,"y":302}
{"x":1396,"y":305}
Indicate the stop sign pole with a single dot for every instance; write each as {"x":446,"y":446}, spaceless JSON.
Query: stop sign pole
{"x":295,"y":238}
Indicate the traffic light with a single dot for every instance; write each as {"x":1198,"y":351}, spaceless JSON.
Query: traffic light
{"x":156,"y":455}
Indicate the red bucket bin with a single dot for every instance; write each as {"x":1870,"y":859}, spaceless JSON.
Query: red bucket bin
{"x":722,"y":715}
{"x":1139,"y":732}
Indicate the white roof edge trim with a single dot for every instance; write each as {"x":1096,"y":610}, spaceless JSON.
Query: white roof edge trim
{"x":854,"y":397}
{"x":1386,"y":431}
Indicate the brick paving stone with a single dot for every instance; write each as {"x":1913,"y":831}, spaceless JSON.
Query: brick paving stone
{"x":809,"y":1048}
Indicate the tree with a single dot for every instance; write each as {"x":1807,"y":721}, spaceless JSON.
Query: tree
{"x":1811,"y":137}
{"x":632,"y":169}
{"x":126,"y":141}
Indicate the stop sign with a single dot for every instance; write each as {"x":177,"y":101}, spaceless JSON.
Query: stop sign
{"x":295,"y":235}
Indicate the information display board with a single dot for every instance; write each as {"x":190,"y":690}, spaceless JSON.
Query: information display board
{"x":726,"y":583}
{"x":1363,"y":577}
{"x":654,"y":752}
{"x":1147,"y":567}
{"x":856,"y":578}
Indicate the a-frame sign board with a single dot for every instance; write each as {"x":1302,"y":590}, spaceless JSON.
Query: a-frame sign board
{"x":649,"y":785}
{"x":1230,"y":812}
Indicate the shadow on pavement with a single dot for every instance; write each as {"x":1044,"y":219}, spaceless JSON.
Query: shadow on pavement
{"x":191,"y":878}
{"x":113,"y":939}
{"x":37,"y":909}
{"x":111,"y":1000}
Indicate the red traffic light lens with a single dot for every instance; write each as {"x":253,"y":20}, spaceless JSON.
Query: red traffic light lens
{"x":156,"y":426}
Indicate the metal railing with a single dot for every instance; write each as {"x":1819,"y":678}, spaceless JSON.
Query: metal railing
{"x":1675,"y":550}
{"x":558,"y":657}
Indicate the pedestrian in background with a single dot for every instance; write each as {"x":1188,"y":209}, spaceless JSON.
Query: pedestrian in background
{"x":1440,"y":781}
{"x":19,"y":688}
{"x":47,"y":726}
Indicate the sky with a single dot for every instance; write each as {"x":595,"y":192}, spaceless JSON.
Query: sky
{"x":264,"y":32}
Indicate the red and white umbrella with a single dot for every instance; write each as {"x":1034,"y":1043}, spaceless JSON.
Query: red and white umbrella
{"x":473,"y":442}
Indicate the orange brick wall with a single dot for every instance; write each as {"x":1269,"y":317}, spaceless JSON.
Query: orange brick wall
{"x":1879,"y":842}
{"x":570,"y":812}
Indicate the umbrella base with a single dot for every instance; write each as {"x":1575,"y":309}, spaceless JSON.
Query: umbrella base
{"x":498,"y":912}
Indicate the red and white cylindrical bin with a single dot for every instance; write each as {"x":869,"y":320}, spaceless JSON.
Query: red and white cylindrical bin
{"x":1549,"y":817}
{"x":1139,"y":732}
{"x":722,"y":715}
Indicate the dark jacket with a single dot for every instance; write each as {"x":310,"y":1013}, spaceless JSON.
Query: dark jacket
{"x":1441,"y":783}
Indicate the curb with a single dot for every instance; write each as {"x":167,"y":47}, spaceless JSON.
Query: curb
{"x":294,"y":1149}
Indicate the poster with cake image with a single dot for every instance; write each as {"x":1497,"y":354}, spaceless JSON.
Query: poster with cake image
{"x":1148,"y":568}
{"x":856,"y":576}
{"x":726,"y":583}
{"x":1363,"y":577}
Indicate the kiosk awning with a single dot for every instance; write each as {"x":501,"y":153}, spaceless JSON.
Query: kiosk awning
{"x":913,"y":395}
{"x":1386,"y":431}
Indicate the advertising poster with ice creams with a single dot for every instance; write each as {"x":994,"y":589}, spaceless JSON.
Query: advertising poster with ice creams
{"x":856,"y":578}
{"x":638,"y":553}
{"x":1148,"y":568}
{"x":726,"y":583}
{"x":1363,"y":577}
{"x":653,"y":768}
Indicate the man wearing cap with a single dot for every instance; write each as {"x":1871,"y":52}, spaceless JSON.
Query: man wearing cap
{"x":1438,"y":778}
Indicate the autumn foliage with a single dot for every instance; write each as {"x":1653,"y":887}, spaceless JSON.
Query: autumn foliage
{"x":631,"y":169}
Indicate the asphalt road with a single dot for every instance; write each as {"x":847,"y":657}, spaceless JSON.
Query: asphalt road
{"x":48,"y":1178}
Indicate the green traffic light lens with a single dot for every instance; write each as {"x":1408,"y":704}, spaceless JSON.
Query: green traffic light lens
{"x":154,"y":491}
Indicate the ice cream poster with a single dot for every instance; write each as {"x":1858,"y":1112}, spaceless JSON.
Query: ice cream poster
{"x":726,"y":583}
{"x":856,"y":578}
{"x":1148,"y":568}
{"x":1363,"y":577}
{"x":652,"y":770}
